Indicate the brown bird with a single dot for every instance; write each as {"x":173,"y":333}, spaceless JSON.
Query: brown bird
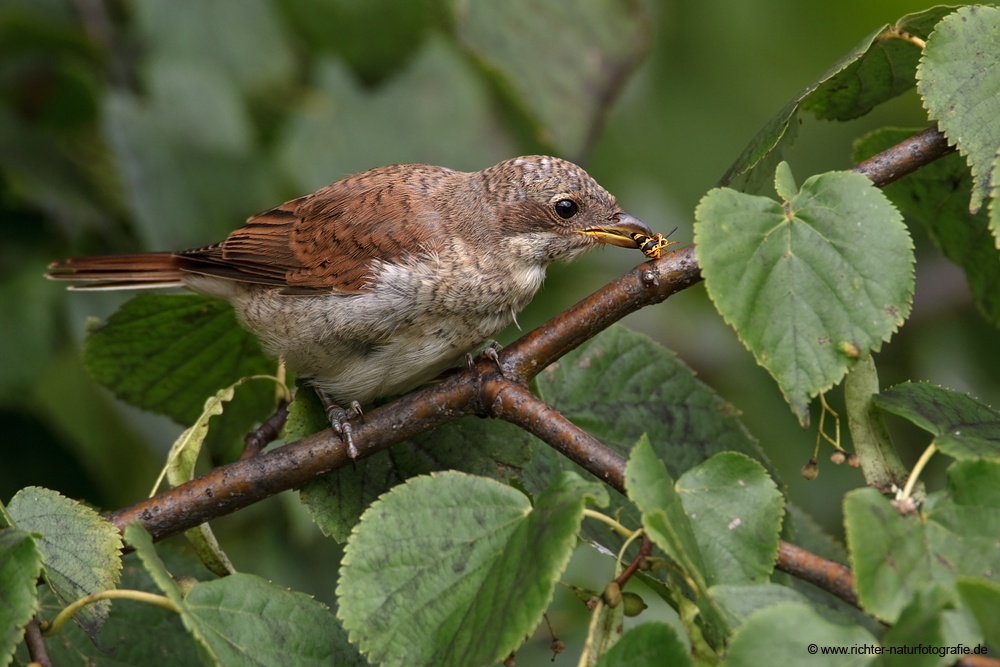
{"x":377,"y":283}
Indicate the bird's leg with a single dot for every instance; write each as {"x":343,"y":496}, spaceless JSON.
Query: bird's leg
{"x":339,"y":420}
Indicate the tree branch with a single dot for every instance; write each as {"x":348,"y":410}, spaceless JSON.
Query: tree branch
{"x":503,"y":393}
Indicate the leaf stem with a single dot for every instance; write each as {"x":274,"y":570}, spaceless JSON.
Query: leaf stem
{"x":621,"y":552}
{"x":615,"y":526}
{"x":917,"y":469}
{"x":49,"y":629}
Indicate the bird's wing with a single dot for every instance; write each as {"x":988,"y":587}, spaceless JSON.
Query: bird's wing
{"x":329,"y":240}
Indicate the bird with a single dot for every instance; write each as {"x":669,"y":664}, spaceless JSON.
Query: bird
{"x":379,"y":282}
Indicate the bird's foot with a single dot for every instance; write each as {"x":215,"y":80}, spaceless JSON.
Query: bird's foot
{"x":340,"y":420}
{"x":491,"y":352}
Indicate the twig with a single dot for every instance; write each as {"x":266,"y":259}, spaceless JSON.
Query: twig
{"x":645,"y":549}
{"x":266,"y":433}
{"x":35,"y":643}
{"x":905,"y":157}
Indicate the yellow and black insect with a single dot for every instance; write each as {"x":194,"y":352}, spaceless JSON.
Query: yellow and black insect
{"x":652,"y":246}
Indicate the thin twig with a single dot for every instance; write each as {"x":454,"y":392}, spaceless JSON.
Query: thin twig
{"x":36,"y":645}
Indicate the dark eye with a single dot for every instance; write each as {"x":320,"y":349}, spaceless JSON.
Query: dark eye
{"x":566,"y":208}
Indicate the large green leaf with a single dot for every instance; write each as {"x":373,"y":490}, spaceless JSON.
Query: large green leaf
{"x":792,"y":633}
{"x":735,"y":511}
{"x":954,"y":534}
{"x":962,"y":426}
{"x":937,"y":196}
{"x":959,"y":78}
{"x":81,"y":550}
{"x":876,"y":70}
{"x":453,"y":569}
{"x":620,"y":385}
{"x":810,"y":284}
{"x":560,"y":62}
{"x":169,"y":353}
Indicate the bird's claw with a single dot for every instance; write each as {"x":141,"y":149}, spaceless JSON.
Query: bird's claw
{"x":340,"y":421}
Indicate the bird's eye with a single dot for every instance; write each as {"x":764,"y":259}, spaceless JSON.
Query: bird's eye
{"x":566,"y":208}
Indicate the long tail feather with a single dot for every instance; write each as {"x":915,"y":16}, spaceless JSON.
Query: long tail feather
{"x":119,"y":272}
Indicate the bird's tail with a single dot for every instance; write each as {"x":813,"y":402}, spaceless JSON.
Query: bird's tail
{"x":120,"y":272}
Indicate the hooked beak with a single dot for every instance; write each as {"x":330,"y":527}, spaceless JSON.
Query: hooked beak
{"x":621,"y":231}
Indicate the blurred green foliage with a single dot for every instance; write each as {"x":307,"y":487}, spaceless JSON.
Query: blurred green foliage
{"x":134,"y":125}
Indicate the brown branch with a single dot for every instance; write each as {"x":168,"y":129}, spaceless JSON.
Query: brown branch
{"x":645,"y":549}
{"x":905,"y":157}
{"x":484,"y":390}
{"x":519,"y":406}
{"x":36,"y":645}
{"x":827,"y":574}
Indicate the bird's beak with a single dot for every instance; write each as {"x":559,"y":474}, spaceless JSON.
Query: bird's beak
{"x":621,"y":231}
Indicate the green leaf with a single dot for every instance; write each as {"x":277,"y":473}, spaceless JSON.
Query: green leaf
{"x":438,"y":92}
{"x":375,"y":37}
{"x":879,"y":459}
{"x":180,"y":469}
{"x":620,"y":385}
{"x":735,"y":510}
{"x":169,"y":352}
{"x":663,"y":514}
{"x":921,"y":622}
{"x":739,"y":601}
{"x":962,"y":426}
{"x":812,"y":284}
{"x":792,"y":633}
{"x":958,"y":78}
{"x":892,"y":556}
{"x":139,"y":539}
{"x":141,"y":634}
{"x":81,"y":550}
{"x":936,"y":196}
{"x":438,"y":571}
{"x":245,"y":620}
{"x":484,"y":447}
{"x":886,"y":70}
{"x":564,"y":95}
{"x":20,"y":565}
{"x":876,"y":70}
{"x":982,"y":599}
{"x":648,"y":645}
{"x":784,"y":182}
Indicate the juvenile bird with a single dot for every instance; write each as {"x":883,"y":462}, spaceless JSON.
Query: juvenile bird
{"x":380,"y":281}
